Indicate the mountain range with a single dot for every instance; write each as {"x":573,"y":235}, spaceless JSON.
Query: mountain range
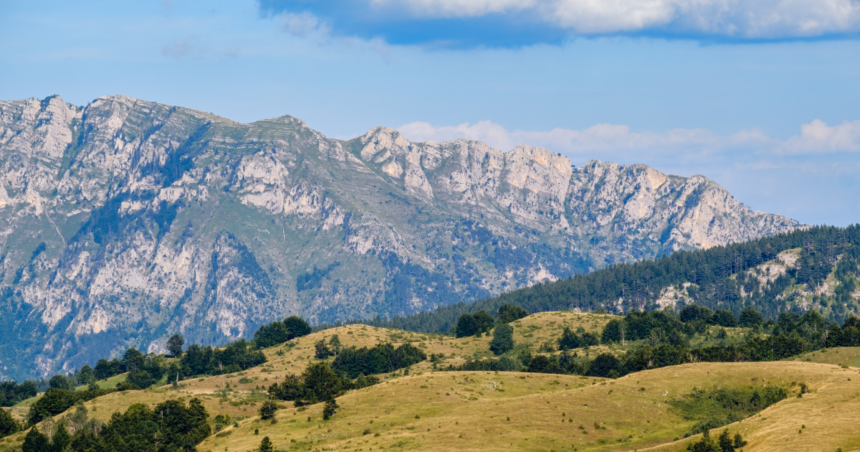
{"x":125,"y":221}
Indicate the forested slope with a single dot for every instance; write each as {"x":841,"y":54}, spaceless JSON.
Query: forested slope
{"x":815,"y":268}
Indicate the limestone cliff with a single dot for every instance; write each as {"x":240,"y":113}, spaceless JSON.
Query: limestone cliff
{"x":124,"y":221}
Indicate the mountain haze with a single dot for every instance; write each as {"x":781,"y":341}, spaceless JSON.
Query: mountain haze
{"x":124,"y":221}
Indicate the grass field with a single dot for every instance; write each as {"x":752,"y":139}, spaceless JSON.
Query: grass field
{"x":445,"y":411}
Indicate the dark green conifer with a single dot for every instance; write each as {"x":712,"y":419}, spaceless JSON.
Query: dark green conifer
{"x":503,"y":339}
{"x":266,"y":445}
{"x":35,"y":441}
{"x":329,"y":409}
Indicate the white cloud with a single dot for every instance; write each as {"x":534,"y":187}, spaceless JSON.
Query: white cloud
{"x":762,"y":19}
{"x":600,"y":138}
{"x":459,"y":8}
{"x":619,"y":143}
{"x":819,"y":138}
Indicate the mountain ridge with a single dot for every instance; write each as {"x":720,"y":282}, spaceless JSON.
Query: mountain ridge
{"x":127,"y":220}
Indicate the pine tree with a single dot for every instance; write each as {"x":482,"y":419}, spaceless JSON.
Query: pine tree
{"x":61,"y":438}
{"x":266,"y":445}
{"x":268,"y":409}
{"x":329,"y":409}
{"x":568,"y":340}
{"x":739,"y":441}
{"x":725,"y":442}
{"x":8,"y":425}
{"x":322,"y":350}
{"x":503,"y":339}
{"x":35,"y":441}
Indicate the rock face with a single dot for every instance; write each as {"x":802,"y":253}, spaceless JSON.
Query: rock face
{"x":125,"y":221}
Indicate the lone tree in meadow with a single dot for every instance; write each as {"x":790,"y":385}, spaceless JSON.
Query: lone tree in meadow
{"x":174,"y":345}
{"x":329,"y":409}
{"x":266,"y":445}
{"x":267,"y":410}
{"x":503,"y":339}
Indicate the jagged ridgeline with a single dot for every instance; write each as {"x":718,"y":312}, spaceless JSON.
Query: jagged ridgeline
{"x":125,"y":221}
{"x":813,"y":269}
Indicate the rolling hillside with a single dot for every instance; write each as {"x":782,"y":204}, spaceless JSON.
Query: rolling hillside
{"x":437,"y":410}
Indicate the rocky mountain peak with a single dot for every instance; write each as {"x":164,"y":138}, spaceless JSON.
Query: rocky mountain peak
{"x":124,"y":221}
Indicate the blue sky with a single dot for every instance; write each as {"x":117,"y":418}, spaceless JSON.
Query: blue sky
{"x":762,"y":96}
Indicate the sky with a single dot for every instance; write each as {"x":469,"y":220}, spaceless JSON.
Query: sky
{"x":762,"y":96}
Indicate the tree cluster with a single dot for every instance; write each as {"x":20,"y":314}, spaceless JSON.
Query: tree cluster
{"x":279,"y":332}
{"x":723,"y":444}
{"x":11,"y":392}
{"x":319,"y":382}
{"x":169,"y":427}
{"x":323,"y":349}
{"x":667,"y":342}
{"x":570,"y":340}
{"x":56,"y":401}
{"x":474,"y":324}
{"x":235,"y":357}
{"x":379,"y":359}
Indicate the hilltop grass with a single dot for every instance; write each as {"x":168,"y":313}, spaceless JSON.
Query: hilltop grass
{"x":439,"y":411}
{"x":847,"y":356}
{"x":470,"y":411}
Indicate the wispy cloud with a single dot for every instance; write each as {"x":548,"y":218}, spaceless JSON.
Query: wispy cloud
{"x":613,"y":139}
{"x":181,"y":49}
{"x":302,"y":24}
{"x":522,"y":22}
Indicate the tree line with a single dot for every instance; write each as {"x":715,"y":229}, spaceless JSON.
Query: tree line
{"x":717,"y":275}
{"x":664,"y":340}
{"x":142,"y":370}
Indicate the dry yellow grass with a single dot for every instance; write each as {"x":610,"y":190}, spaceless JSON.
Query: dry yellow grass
{"x":848,"y":356}
{"x":465,"y":411}
{"x":442,"y":411}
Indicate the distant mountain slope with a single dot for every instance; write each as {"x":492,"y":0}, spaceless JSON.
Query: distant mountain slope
{"x":815,"y":268}
{"x":124,"y":221}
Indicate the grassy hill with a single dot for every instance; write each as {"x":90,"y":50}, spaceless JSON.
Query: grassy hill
{"x":423,"y":409}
